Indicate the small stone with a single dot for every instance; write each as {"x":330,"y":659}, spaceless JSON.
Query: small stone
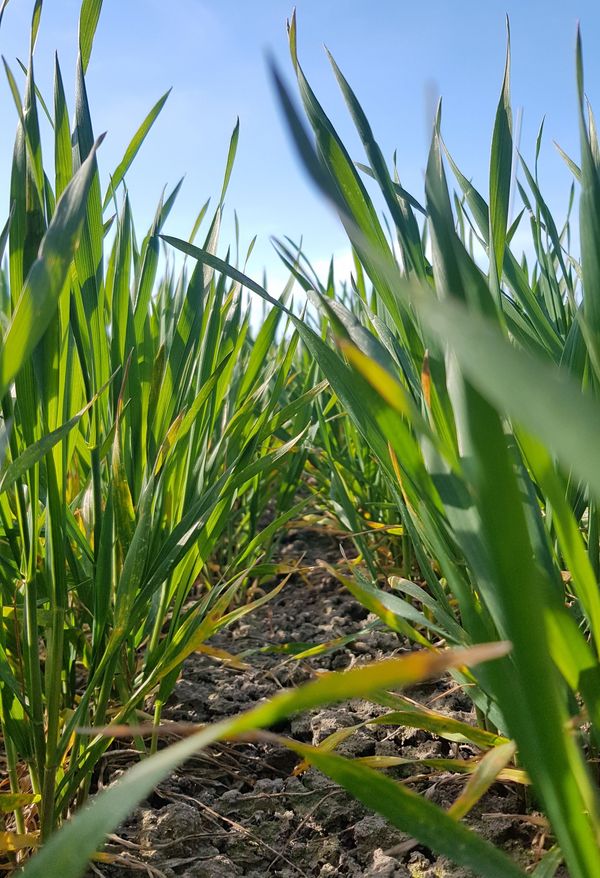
{"x":326,"y":722}
{"x":172,"y":828}
{"x":383,"y":866}
{"x":373,"y":832}
{"x":301,"y":728}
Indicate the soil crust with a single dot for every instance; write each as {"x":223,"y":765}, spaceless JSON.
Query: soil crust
{"x":239,"y":809}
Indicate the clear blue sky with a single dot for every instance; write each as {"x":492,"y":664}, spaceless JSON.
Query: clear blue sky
{"x":394,"y":54}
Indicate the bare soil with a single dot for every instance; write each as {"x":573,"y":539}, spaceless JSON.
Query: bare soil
{"x":239,"y":809}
